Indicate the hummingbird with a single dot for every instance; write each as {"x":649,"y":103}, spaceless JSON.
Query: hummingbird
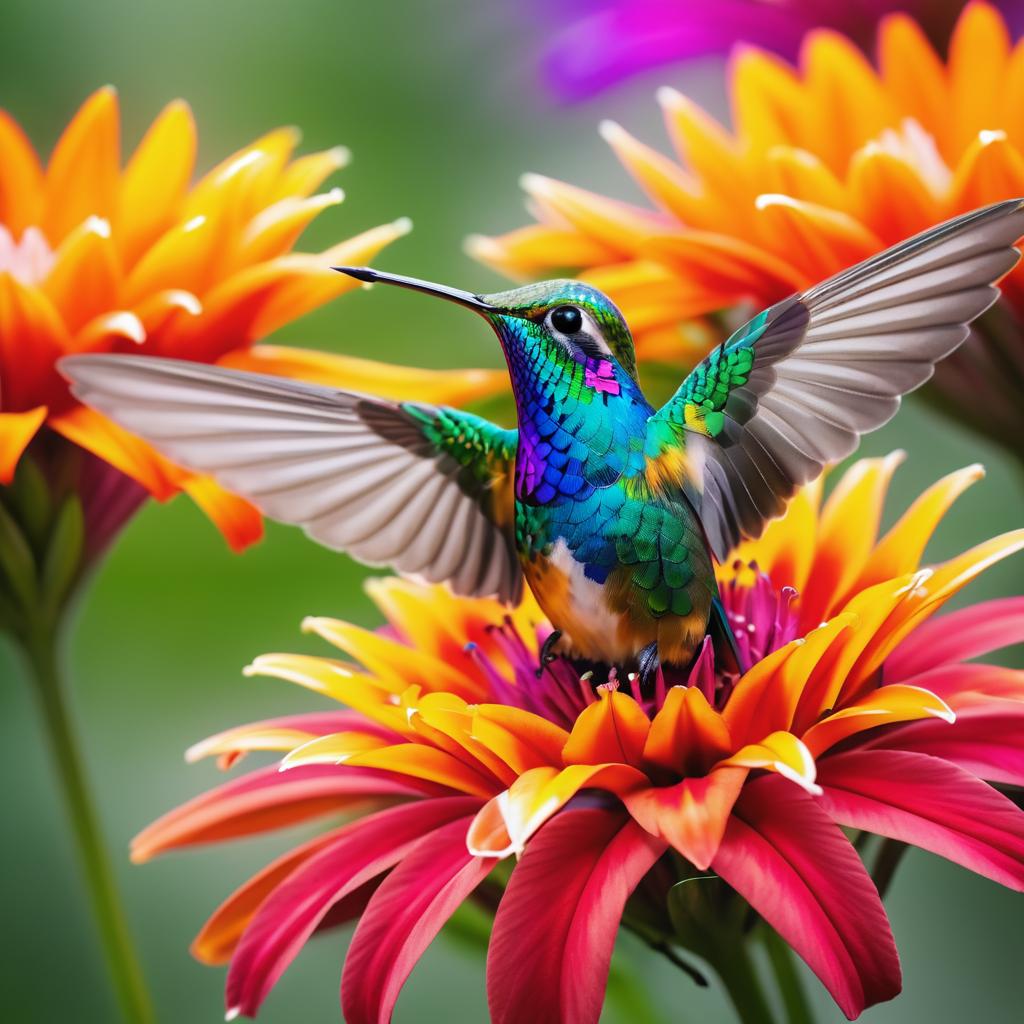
{"x":611,"y":511}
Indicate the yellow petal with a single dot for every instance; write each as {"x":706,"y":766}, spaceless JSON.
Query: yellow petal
{"x":21,"y":178}
{"x":238,"y":520}
{"x":884,"y":706}
{"x":16,"y":431}
{"x":780,"y":752}
{"x":302,"y":177}
{"x":611,"y":730}
{"x":687,"y":735}
{"x":156,"y":179}
{"x":389,"y":380}
{"x":86,"y":274}
{"x":82,"y":177}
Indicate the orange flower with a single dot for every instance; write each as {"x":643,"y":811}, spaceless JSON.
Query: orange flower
{"x":855,"y":711}
{"x":828,"y":163}
{"x":96,"y":257}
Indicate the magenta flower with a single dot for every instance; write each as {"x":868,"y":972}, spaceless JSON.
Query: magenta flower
{"x":598,"y":43}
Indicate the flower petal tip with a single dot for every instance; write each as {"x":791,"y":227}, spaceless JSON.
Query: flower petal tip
{"x":233,"y":1013}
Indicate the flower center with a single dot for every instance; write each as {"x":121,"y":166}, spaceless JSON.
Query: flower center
{"x":29,"y":260}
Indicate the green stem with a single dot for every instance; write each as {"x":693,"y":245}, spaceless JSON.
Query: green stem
{"x":735,"y":968}
{"x":122,"y":961}
{"x":798,"y":1011}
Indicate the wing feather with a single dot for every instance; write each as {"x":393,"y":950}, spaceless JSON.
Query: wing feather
{"x":374,"y":478}
{"x":796,"y":387}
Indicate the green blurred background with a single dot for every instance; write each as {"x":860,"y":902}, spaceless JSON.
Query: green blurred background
{"x":438,"y":103}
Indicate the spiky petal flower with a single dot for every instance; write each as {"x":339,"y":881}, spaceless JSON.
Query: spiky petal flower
{"x":858,"y":712}
{"x":598,"y":43}
{"x":99,"y":257}
{"x":827,"y":163}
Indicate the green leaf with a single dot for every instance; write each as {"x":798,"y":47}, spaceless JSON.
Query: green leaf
{"x":32,"y":503}
{"x":64,"y":552}
{"x":16,"y":561}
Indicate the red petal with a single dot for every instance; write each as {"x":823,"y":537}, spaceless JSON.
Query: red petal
{"x":269,"y":799}
{"x":798,"y":871}
{"x":987,"y":741}
{"x":929,"y":803}
{"x":960,"y":635}
{"x":290,"y":915}
{"x":402,"y":919}
{"x":554,"y":931}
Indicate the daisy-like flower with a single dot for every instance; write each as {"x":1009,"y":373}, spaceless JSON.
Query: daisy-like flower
{"x":459,"y":770}
{"x":98,"y":257}
{"x":598,"y":43}
{"x":827,"y":163}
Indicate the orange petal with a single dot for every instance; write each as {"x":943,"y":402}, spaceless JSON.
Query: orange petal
{"x":416,"y":760}
{"x":721,"y":265}
{"x":687,"y":735}
{"x":801,"y":174}
{"x":889,"y":195}
{"x":218,"y":938}
{"x":900,"y":550}
{"x":237,"y":519}
{"x":245,"y":739}
{"x":335,"y":680}
{"x":846,"y":534}
{"x":504,"y":825}
{"x":978,"y":53}
{"x":780,"y":752}
{"x":932,"y":588}
{"x":1013,"y":96}
{"x":83,"y":174}
{"x":21,"y":178}
{"x":16,"y":431}
{"x":124,"y":451}
{"x":156,"y":179}
{"x":32,"y":338}
{"x":100,"y":333}
{"x":991,"y":169}
{"x":611,"y":730}
{"x":846,"y":103}
{"x":767,"y":101}
{"x":302,"y":177}
{"x":402,"y":383}
{"x":86,"y":273}
{"x":620,"y":226}
{"x":884,"y":706}
{"x":817,"y":240}
{"x":395,"y":665}
{"x":522,"y":739}
{"x":691,"y":815}
{"x":785,"y":551}
{"x":183,"y":258}
{"x":157,"y":310}
{"x":667,"y":184}
{"x":539,"y":249}
{"x":914,"y":76}
{"x":275,"y":229}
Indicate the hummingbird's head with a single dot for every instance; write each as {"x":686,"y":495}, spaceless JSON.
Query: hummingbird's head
{"x":547,"y":320}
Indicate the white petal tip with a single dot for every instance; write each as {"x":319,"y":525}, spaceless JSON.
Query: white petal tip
{"x":402,"y":226}
{"x":234,"y":1013}
{"x":986,"y":138}
{"x":611,"y":131}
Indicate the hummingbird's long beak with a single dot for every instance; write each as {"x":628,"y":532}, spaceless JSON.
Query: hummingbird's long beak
{"x":463,"y":298}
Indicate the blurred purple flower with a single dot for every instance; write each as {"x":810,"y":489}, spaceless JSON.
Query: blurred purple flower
{"x":598,"y":43}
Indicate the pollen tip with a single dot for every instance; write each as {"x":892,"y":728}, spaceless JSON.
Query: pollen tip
{"x":611,"y":131}
{"x":667,"y":96}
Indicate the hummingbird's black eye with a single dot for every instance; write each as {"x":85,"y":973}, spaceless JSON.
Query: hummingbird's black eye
{"x":566,"y":319}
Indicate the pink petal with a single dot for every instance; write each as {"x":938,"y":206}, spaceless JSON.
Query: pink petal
{"x":799,"y":872}
{"x":971,"y":684}
{"x":929,"y":803}
{"x":985,"y":740}
{"x":292,"y":912}
{"x":402,"y":919}
{"x":269,"y":799}
{"x":960,"y":635}
{"x":555,"y":927}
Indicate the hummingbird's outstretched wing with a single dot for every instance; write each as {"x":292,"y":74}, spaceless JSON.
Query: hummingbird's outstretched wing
{"x":422,"y":489}
{"x":794,"y":388}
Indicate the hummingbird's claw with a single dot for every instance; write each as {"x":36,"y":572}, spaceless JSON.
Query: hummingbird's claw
{"x":647,"y":664}
{"x":547,"y":654}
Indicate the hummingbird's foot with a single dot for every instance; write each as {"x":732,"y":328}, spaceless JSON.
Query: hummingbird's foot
{"x":647,"y":664}
{"x":547,"y":653}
